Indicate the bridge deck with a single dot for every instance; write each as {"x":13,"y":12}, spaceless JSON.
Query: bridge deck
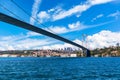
{"x":18,"y":23}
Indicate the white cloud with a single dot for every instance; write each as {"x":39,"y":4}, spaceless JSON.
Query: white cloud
{"x":13,"y":38}
{"x":66,"y":13}
{"x":30,"y":33}
{"x":51,"y":10}
{"x":55,"y":46}
{"x":96,"y":2}
{"x":116,"y":14}
{"x":27,"y":43}
{"x":78,"y":9}
{"x":77,"y":26}
{"x":35,"y":9}
{"x":80,"y":26}
{"x":43,"y":16}
{"x":58,"y":13}
{"x":74,"y":25}
{"x":57,"y":29}
{"x":23,"y":42}
{"x":62,"y":46}
{"x":48,"y":15}
{"x":9,"y":43}
{"x":98,"y":16}
{"x":30,"y":43}
{"x":71,"y":27}
{"x":21,"y":36}
{"x":102,"y":39}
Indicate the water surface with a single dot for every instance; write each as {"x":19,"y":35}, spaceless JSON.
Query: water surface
{"x":60,"y":68}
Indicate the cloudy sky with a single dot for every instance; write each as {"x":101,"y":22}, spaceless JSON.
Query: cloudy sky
{"x":91,"y":23}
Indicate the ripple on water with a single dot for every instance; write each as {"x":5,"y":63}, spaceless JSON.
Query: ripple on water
{"x":59,"y":68}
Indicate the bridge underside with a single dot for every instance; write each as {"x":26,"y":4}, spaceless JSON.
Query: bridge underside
{"x":18,"y":23}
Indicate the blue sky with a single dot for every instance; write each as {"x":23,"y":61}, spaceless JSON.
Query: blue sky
{"x":98,"y":19}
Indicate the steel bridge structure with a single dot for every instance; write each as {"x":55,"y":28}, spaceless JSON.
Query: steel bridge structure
{"x":18,"y":23}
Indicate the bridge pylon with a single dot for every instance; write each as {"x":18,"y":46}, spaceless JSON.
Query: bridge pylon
{"x":87,"y":52}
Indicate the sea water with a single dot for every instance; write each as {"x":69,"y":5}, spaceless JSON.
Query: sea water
{"x":30,"y":68}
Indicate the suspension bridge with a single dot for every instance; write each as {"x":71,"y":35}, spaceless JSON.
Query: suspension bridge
{"x":18,"y":23}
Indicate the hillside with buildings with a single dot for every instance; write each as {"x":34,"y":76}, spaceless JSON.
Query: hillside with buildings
{"x":107,"y":52}
{"x":113,"y":51}
{"x":39,"y":53}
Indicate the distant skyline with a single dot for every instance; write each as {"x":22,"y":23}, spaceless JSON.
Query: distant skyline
{"x":99,"y":20}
